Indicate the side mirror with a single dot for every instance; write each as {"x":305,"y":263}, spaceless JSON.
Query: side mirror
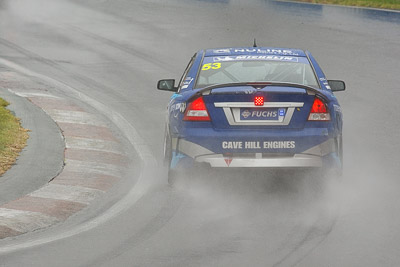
{"x":167,"y":85}
{"x":337,"y":85}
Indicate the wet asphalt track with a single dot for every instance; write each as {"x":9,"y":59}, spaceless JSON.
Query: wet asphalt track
{"x":115,"y":51}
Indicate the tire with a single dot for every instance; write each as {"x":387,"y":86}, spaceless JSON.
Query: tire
{"x":333,"y":169}
{"x":172,"y":174}
{"x":339,"y":149}
{"x":167,"y":152}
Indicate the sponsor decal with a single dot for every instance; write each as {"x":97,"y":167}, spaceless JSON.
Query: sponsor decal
{"x":246,"y":113}
{"x":279,"y":144}
{"x":261,"y":113}
{"x":228,"y":161}
{"x":187,"y":82}
{"x":258,"y":144}
{"x":266,"y":51}
{"x":325,"y":83}
{"x":264,"y":114}
{"x":232,"y":145}
{"x":257,"y":57}
{"x":179,"y":106}
{"x":222,"y":51}
{"x":182,"y":108}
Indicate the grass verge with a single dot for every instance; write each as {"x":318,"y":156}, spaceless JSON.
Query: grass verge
{"x":12,"y":137}
{"x":384,"y":4}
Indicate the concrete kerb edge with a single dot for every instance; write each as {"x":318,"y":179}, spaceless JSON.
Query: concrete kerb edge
{"x":147,"y":159}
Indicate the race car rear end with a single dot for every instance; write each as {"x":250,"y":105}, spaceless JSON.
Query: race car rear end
{"x":245,"y":108}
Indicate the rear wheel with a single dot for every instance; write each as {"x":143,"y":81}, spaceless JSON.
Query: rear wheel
{"x":167,"y":150}
{"x":334,"y":168}
{"x":339,"y":151}
{"x":168,"y":155}
{"x":172,"y":173}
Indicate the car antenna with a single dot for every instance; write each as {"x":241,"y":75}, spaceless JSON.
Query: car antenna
{"x":254,"y":45}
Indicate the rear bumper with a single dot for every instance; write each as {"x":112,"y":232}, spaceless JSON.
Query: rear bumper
{"x":297,"y":160}
{"x":189,"y":153}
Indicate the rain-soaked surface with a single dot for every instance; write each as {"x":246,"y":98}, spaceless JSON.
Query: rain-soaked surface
{"x":115,"y":51}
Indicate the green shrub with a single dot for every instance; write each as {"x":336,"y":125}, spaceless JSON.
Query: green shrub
{"x":12,"y":137}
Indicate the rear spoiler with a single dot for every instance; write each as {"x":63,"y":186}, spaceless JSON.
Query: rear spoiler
{"x":259,"y":85}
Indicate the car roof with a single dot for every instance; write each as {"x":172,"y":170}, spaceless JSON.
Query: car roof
{"x":254,"y":51}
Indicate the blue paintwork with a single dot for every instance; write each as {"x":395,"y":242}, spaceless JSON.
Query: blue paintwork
{"x":210,"y":134}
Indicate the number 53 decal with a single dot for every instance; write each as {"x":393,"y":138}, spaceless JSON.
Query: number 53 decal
{"x":213,"y":66}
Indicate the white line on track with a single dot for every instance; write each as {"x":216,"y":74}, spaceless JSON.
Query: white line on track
{"x":25,"y":221}
{"x":148,"y":162}
{"x":92,"y":144}
{"x":78,"y":117}
{"x":67,"y":192}
{"x":92,"y":167}
{"x":31,"y":94}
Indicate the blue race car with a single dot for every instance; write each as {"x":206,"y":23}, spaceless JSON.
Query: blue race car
{"x":253,"y":107}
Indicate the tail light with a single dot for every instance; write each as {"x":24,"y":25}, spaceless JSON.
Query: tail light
{"x":197,"y":111}
{"x":319,"y":111}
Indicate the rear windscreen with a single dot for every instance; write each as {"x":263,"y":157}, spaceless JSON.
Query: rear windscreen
{"x":238,"y":69}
